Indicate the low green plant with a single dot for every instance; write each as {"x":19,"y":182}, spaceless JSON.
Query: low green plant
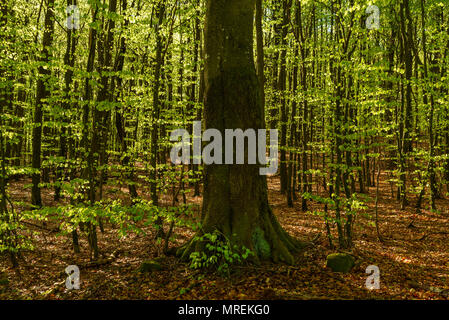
{"x":218,"y":254}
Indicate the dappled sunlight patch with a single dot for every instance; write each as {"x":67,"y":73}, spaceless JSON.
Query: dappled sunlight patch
{"x":403,"y":256}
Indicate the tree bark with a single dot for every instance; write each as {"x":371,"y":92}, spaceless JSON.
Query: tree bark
{"x":69,"y":62}
{"x":235,"y":196}
{"x":282,"y":86}
{"x":42,"y":94}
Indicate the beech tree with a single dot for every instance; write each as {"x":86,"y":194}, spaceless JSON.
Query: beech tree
{"x":86,"y":116}
{"x":235,"y":196}
{"x":42,"y":93}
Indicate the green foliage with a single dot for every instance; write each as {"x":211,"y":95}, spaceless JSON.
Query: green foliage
{"x":344,"y":117}
{"x":126,"y":219}
{"x":218,"y":254}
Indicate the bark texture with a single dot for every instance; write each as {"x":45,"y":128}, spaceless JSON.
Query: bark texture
{"x":235,"y":196}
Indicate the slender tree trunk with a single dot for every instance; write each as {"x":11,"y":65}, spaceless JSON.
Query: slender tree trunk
{"x":69,"y":62}
{"x":431,"y":164}
{"x":292,"y":156}
{"x":8,"y":238}
{"x":116,"y":88}
{"x":157,"y":66}
{"x":305,"y":113}
{"x":42,"y":93}
{"x":260,"y":51}
{"x":87,"y":173}
{"x":196,"y":56}
{"x":282,"y":80}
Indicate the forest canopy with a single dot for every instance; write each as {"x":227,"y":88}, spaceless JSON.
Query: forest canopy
{"x":357,"y":92}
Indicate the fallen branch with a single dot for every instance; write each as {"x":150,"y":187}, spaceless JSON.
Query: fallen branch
{"x":54,"y":230}
{"x":415,"y":285}
{"x":432,"y":233}
{"x":99,"y":262}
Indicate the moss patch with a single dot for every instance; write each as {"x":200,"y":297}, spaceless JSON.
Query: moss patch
{"x":340,"y":262}
{"x":150,"y":266}
{"x":261,"y":245}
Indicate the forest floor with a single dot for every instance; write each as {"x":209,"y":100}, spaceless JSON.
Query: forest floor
{"x":413,"y":260}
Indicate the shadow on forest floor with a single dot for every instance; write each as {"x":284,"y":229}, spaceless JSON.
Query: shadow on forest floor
{"x":413,"y":261}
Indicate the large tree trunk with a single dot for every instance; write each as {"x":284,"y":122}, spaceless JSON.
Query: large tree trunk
{"x":235,"y":196}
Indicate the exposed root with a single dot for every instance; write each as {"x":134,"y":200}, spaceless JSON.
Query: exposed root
{"x":282,"y":246}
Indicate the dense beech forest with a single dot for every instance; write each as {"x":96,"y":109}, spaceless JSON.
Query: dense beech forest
{"x":91,"y":91}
